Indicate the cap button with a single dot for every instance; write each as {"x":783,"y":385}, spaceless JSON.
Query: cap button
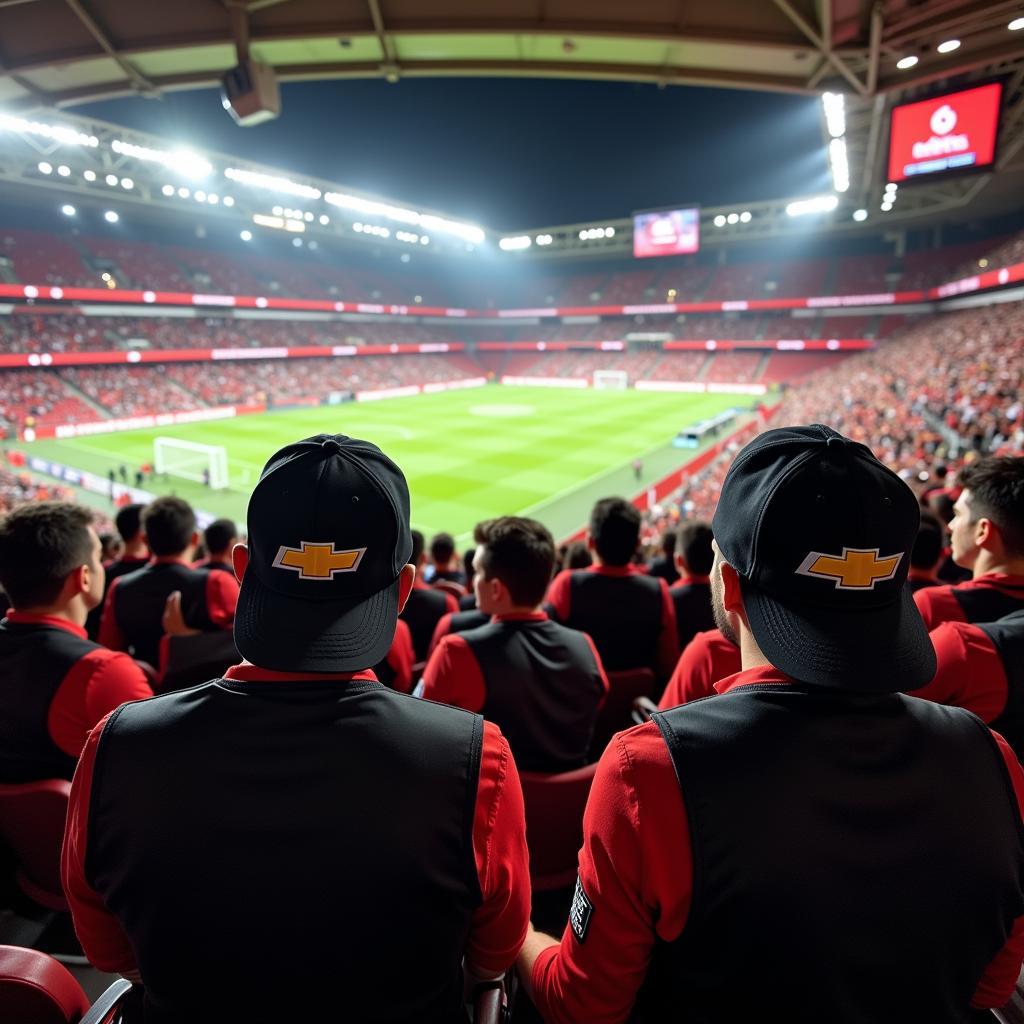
{"x":835,"y":439}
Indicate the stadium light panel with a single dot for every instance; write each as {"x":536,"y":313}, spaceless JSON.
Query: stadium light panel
{"x":817,"y":204}
{"x":886,"y":206}
{"x":265,"y":220}
{"x":184,"y":192}
{"x":834,"y":104}
{"x":111,"y":180}
{"x":948,"y":46}
{"x":906,"y":63}
{"x":245,"y":236}
{"x":745,"y":217}
{"x":375,"y":208}
{"x":111,"y":217}
{"x":229,"y":201}
{"x":324,"y":219}
{"x":45,"y":168}
{"x":733,"y":218}
{"x":860,"y":215}
{"x":181,"y":161}
{"x":840,"y":165}
{"x":544,"y":239}
{"x":424,"y":239}
{"x":213,"y":199}
{"x":64,"y":171}
{"x":168,"y":190}
{"x":513,"y":243}
{"x":58,"y":133}
{"x":127,"y":184}
{"x":1016,"y":25}
{"x":720,"y":221}
{"x":609,"y":232}
{"x":68,"y":210}
{"x":199,"y":196}
{"x":271,"y":182}
{"x":89,"y":175}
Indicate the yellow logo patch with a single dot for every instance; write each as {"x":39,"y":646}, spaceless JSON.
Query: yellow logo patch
{"x":318,"y":561}
{"x":855,"y":569}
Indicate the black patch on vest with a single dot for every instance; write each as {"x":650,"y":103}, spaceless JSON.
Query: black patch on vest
{"x":580,"y":912}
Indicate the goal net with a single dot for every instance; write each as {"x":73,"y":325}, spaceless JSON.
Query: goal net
{"x":611,"y":380}
{"x":203,"y":463}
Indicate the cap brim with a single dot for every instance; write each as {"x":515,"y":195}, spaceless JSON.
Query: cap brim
{"x":291,"y":635}
{"x":874,"y":650}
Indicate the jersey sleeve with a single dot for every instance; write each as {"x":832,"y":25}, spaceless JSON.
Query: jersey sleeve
{"x":1000,"y":978}
{"x":401,"y":657}
{"x":452,"y":675}
{"x":970,"y":673}
{"x":938,"y":605}
{"x":100,"y":933}
{"x":691,"y":678}
{"x":635,"y":872}
{"x":499,"y":844}
{"x":221,"y":598}
{"x":557,"y":600}
{"x":442,"y":629}
{"x":110,"y":629}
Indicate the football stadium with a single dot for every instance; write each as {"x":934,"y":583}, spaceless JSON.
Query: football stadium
{"x":511,"y":512}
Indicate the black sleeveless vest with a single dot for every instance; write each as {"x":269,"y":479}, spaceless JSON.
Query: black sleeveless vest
{"x":469,"y":619}
{"x":622,"y":614}
{"x":1008,"y":636}
{"x":986,"y":604}
{"x":543,"y":690}
{"x":119,"y":568}
{"x":139,"y":601}
{"x":855,"y":858}
{"x":692,"y":602}
{"x":422,"y":612}
{"x":34,"y":659}
{"x":272,"y":849}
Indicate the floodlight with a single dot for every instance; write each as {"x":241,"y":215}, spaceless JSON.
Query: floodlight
{"x":948,"y":46}
{"x":45,"y":168}
{"x":111,"y":180}
{"x":246,"y":236}
{"x":719,"y":221}
{"x":1016,"y":25}
{"x":64,"y":171}
{"x":835,"y":113}
{"x":906,"y":63}
{"x":859,"y":215}
{"x":89,"y":175}
{"x":817,"y":204}
{"x":68,"y":210}
{"x":111,"y":217}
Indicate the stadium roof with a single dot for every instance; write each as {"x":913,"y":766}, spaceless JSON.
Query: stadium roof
{"x":61,"y":52}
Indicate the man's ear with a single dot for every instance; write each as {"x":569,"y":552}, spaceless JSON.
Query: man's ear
{"x":986,"y":534}
{"x":79,"y":579}
{"x":239,"y":560}
{"x":732,"y":595}
{"x":406,"y":578}
{"x":591,"y":546}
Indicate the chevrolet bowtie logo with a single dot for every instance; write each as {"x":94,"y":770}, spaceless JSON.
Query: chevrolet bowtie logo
{"x":317,"y":561}
{"x":857,"y":569}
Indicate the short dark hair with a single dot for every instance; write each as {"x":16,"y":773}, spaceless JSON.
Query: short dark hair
{"x":40,"y":544}
{"x":577,"y":556}
{"x":442,"y":547}
{"x":930,"y":540}
{"x":668,"y":542}
{"x":942,"y":505}
{"x":615,"y":530}
{"x":694,"y":546}
{"x":417,"y":547}
{"x":129,"y":521}
{"x":169,"y":523}
{"x":521,"y":553}
{"x":996,"y":484}
{"x":218,"y":535}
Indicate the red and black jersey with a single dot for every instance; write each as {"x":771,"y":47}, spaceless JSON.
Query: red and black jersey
{"x":119,"y":567}
{"x":708,"y":658}
{"x":457,"y":622}
{"x":365,"y":819}
{"x":628,"y":614}
{"x":980,"y":667}
{"x":423,"y":610}
{"x":691,"y":598}
{"x":395,"y":670}
{"x":216,"y":564}
{"x":983,"y":599}
{"x":133,"y":613}
{"x":540,"y":682}
{"x":55,"y":685}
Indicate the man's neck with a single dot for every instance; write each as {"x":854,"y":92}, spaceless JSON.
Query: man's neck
{"x":136,"y":550}
{"x":73,"y":612}
{"x":750,"y":653}
{"x":992,"y":565}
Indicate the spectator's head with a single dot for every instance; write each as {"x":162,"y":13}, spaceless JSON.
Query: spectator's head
{"x":111,"y":546}
{"x":694,"y":554}
{"x":129,"y":523}
{"x":929,"y":544}
{"x":220,"y":537}
{"x":668,"y":543}
{"x":417,"y":557}
{"x":326,"y":568}
{"x":50,"y":559}
{"x":513,"y":565}
{"x":467,"y":562}
{"x":169,"y":525}
{"x":813,"y":538}
{"x":442,"y":549}
{"x":577,"y":556}
{"x":941,"y":504}
{"x":614,"y":531}
{"x":987,"y":529}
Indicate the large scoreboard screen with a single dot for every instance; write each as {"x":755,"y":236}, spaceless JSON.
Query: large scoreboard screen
{"x":666,"y":232}
{"x":952,"y":132}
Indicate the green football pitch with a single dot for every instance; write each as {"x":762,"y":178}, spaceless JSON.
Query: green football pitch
{"x":468,"y":455}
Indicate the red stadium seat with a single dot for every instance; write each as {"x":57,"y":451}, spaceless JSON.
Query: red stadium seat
{"x":32,"y":816}
{"x":616,"y":712}
{"x":554,"y":824}
{"x":35,"y":989}
{"x":457,"y":590}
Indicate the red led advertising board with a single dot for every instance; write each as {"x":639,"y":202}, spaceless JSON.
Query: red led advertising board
{"x":666,"y":232}
{"x":953,"y":132}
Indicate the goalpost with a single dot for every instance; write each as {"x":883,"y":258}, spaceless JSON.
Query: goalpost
{"x":188,"y":459}
{"x":611,"y":380}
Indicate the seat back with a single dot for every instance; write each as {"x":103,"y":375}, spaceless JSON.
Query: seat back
{"x":35,"y":989}
{"x":616,"y":712}
{"x":457,"y":590}
{"x":197,"y":658}
{"x":32,"y":816}
{"x":554,"y":824}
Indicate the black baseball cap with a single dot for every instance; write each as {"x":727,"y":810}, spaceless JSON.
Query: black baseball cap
{"x":328,"y":528}
{"x":820,"y":533}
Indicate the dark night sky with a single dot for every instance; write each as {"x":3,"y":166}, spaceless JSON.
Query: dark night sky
{"x":517,"y":153}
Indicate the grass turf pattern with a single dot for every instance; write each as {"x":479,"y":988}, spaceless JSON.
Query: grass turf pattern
{"x":468,"y":455}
